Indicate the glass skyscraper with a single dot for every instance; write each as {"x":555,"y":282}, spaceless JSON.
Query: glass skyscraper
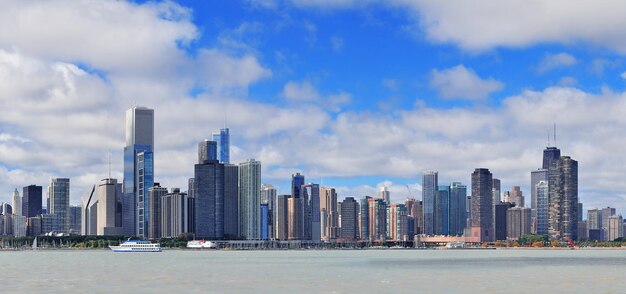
{"x":250,"y":199}
{"x":442,"y":211}
{"x":563,"y":199}
{"x":60,"y":203}
{"x":139,"y":140}
{"x":223,"y":145}
{"x":482,"y":205}
{"x":458,"y":209}
{"x":429,"y":193}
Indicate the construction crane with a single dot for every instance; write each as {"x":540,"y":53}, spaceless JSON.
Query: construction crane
{"x":409,"y":189}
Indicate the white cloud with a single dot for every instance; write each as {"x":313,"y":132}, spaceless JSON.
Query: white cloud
{"x":553,"y":61}
{"x":304,"y":91}
{"x":336,"y":43}
{"x":623,"y":75}
{"x":568,"y":82}
{"x":485,"y":24}
{"x":460,"y":82}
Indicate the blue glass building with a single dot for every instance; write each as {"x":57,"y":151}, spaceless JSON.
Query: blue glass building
{"x":429,"y":193}
{"x":442,"y":211}
{"x":223,"y":145}
{"x":264,"y":221}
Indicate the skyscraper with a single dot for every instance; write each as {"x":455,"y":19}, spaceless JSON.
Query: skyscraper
{"x":311,"y":192}
{"x":550,"y":154}
{"x":458,"y":214}
{"x":542,"y":194}
{"x":17,"y":203}
{"x":268,"y":196}
{"x":615,"y":227}
{"x":377,"y":219}
{"x":60,"y":202}
{"x":594,"y":219}
{"x":89,"y":217}
{"x":207,"y":150}
{"x":429,"y":193}
{"x":75,"y":219}
{"x":281,"y":215}
{"x":497,"y":191}
{"x":174,"y":212}
{"x":349,"y":219}
{"x":209,"y":198}
{"x":482,"y":205}
{"x":329,"y":214}
{"x":107,"y":205}
{"x":231,"y":201}
{"x":31,"y":200}
{"x":223,"y":145}
{"x":364,"y":219}
{"x":398,"y":224}
{"x":297,"y":208}
{"x":155,"y":194}
{"x":563,"y":199}
{"x":501,"y":220}
{"x":139,"y":140}
{"x":294,"y":225}
{"x":384,"y":194}
{"x":442,"y":211}
{"x":517,"y":222}
{"x":535,"y":177}
{"x":604,"y":217}
{"x":517,"y":196}
{"x":249,"y":199}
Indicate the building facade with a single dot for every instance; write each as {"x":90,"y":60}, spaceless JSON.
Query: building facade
{"x":482,"y":225}
{"x":250,"y":199}
{"x":429,"y":193}
{"x":563,"y":199}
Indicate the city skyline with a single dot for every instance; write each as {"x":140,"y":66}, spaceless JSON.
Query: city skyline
{"x":319,"y":105}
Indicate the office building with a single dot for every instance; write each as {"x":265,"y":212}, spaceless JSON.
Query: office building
{"x":563,"y":199}
{"x":398,"y":222}
{"x":294,"y":224}
{"x":107,"y":208}
{"x":606,"y":213}
{"x":594,"y":219}
{"x":349,"y":219}
{"x":209,"y":182}
{"x":501,"y":220}
{"x":31,"y":200}
{"x":76,"y":213}
{"x":250,"y":199}
{"x":429,"y":193}
{"x":496,"y":191}
{"x":89,"y":215}
{"x":364,"y":230}
{"x":60,"y":203}
{"x":580,"y":212}
{"x":482,"y":224}
{"x":138,"y":176}
{"x":222,"y":138}
{"x":377,"y":219}
{"x":442,"y":211}
{"x":517,"y":196}
{"x":265,"y":217}
{"x":311,"y":194}
{"x":155,"y":195}
{"x":517,"y":222}
{"x":281,"y":217}
{"x":231,"y":202}
{"x":550,"y":154}
{"x":537,"y":176}
{"x":17,"y":203}
{"x":615,"y":227}
{"x":384,"y":195}
{"x":583,"y":231}
{"x":542,"y":194}
{"x":329,"y":213}
{"x":207,"y":151}
{"x":175,"y":210}
{"x":268,"y":196}
{"x":458,"y":209}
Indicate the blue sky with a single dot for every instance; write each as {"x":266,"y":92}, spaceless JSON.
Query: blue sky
{"x":359,"y":93}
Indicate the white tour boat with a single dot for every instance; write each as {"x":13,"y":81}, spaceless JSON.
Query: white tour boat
{"x":201,"y":244}
{"x":137,"y":246}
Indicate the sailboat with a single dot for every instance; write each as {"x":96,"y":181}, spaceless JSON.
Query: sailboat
{"x":35,"y":244}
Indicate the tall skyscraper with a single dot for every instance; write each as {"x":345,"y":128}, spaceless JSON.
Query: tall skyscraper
{"x":60,"y":202}
{"x":501,"y":220}
{"x":209,"y":182}
{"x":442,"y":211}
{"x":75,"y":219}
{"x":281,"y":215}
{"x":17,"y":203}
{"x":542,"y":194}
{"x":580,"y":212}
{"x":174,"y":212}
{"x":268,"y":196}
{"x":458,"y":214}
{"x":138,"y":176}
{"x":605,"y":214}
{"x":311,"y":193}
{"x":497,"y":191}
{"x":364,"y":219}
{"x":550,"y":154}
{"x":563,"y":198}
{"x":297,"y":208}
{"x":231,"y":201}
{"x":294,"y":225}
{"x":250,"y":199}
{"x":535,"y":177}
{"x":384,"y":194}
{"x":482,"y":205}
{"x":155,"y":194}
{"x":107,"y":208}
{"x":594,"y":219}
{"x":615,"y":227}
{"x":31,"y":200}
{"x":398,"y":222}
{"x":265,"y":218}
{"x":207,"y":150}
{"x":429,"y":193}
{"x":349,"y":219}
{"x":223,"y":145}
{"x":517,"y":196}
{"x":329,"y":213}
{"x":89,"y":217}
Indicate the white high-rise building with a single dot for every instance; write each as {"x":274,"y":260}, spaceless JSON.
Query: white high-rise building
{"x":250,"y":199}
{"x":384,"y":194}
{"x":17,"y":203}
{"x":107,"y":202}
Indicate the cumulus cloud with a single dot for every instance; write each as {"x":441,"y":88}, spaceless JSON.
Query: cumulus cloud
{"x":303,"y":91}
{"x":460,"y":82}
{"x":553,"y":61}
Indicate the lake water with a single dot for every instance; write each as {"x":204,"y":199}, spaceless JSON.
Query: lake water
{"x":358,"y":271}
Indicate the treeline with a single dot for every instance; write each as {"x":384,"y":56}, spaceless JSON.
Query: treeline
{"x":543,"y":241}
{"x":87,"y":242}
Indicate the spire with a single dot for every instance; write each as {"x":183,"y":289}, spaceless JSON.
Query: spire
{"x":555,"y":133}
{"x":109,"y":164}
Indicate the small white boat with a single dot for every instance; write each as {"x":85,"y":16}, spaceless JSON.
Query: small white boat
{"x":201,"y":244}
{"x":137,"y":246}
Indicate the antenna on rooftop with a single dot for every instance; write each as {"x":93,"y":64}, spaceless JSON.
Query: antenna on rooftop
{"x":109,"y":164}
{"x":555,"y":133}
